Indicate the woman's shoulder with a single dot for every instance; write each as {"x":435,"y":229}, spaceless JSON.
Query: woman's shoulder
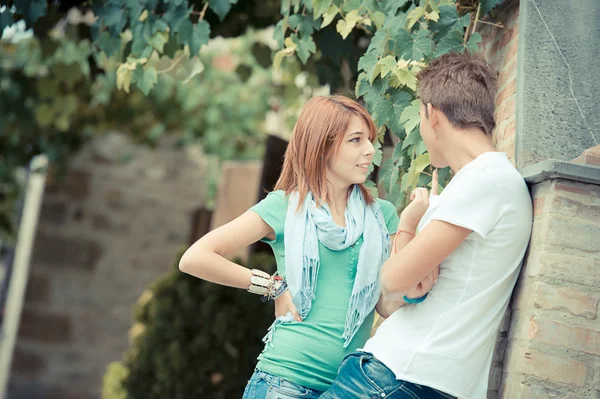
{"x":385,"y":205}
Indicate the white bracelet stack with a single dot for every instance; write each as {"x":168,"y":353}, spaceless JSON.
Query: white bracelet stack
{"x":270,"y":287}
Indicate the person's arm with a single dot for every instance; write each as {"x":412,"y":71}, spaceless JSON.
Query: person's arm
{"x":389,"y":304}
{"x":419,"y":256}
{"x":205,"y":258}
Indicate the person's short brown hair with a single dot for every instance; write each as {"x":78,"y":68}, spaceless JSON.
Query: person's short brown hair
{"x":463,"y":87}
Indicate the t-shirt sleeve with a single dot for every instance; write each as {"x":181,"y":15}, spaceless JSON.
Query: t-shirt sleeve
{"x":390,"y":215}
{"x":474,"y":202}
{"x":272,"y":210}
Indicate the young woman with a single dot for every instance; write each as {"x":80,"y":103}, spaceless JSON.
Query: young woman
{"x":330,"y":238}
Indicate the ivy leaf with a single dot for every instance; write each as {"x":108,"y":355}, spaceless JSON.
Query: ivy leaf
{"x":362,"y":85}
{"x":195,"y":67}
{"x":221,"y":7}
{"x":6,"y":19}
{"x":375,"y":94}
{"x":473,"y":42}
{"x":320,"y":7}
{"x":378,"y":18}
{"x":432,"y":16}
{"x":404,"y":77}
{"x":411,"y":140}
{"x":159,"y":40}
{"x":304,"y":47}
{"x":378,"y":156}
{"x":31,"y":10}
{"x":345,"y":26}
{"x":413,"y":173}
{"x":303,"y":24}
{"x":329,"y":16}
{"x":454,"y":42}
{"x":194,"y":36}
{"x":367,"y":62}
{"x":414,"y":16}
{"x":449,"y":20}
{"x":410,"y":116}
{"x":383,"y":67}
{"x":393,"y":6}
{"x":488,"y":5}
{"x":413,"y":46}
{"x":279,"y":31}
{"x":145,"y":78}
{"x":389,"y":110}
{"x":110,"y":45}
{"x":379,"y":42}
{"x":176,"y":15}
{"x":124,"y":75}
{"x":389,"y":175}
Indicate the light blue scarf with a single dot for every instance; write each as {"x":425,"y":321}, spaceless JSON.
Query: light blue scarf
{"x":308,"y":226}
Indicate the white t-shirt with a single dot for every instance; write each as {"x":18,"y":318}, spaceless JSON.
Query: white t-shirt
{"x":446,"y":342}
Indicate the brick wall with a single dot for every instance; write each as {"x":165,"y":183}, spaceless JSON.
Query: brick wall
{"x":499,"y":47}
{"x":554,"y":341}
{"x":106,"y":231}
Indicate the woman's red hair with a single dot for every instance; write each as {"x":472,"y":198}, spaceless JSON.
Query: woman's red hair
{"x":316,"y":137}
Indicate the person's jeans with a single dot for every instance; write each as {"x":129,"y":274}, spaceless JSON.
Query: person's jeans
{"x":361,"y":375}
{"x":267,"y":386}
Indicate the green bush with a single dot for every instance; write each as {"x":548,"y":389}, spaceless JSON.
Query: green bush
{"x":191,"y":339}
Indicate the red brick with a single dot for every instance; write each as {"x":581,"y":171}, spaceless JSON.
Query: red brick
{"x":549,"y":367}
{"x":506,"y":110}
{"x":507,"y":37}
{"x":591,"y":156}
{"x":45,"y":327}
{"x":576,"y":269}
{"x":38,"y":289}
{"x":511,"y":52}
{"x":572,"y":188}
{"x":509,"y":90}
{"x":510,"y":130}
{"x":506,"y":73}
{"x":567,"y":299}
{"x":559,"y":334}
{"x":538,"y":206}
{"x":520,"y":390}
{"x":27,"y":363}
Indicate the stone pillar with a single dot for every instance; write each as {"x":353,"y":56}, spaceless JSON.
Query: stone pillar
{"x":558,"y":113}
{"x":554,"y":339}
{"x":549,"y":342}
{"x":238,"y":191}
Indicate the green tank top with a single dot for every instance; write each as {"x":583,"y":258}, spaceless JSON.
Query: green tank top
{"x":310,"y":352}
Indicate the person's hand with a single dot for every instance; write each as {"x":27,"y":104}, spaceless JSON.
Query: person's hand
{"x":412,"y":214}
{"x":284,"y":304}
{"x":425,"y":285}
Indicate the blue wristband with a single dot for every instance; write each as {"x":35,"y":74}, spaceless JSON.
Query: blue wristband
{"x":414,"y":300}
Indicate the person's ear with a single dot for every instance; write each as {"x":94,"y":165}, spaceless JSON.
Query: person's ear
{"x":433,"y":115}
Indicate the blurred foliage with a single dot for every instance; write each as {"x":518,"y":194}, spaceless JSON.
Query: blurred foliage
{"x":191,"y":339}
{"x":58,"y":91}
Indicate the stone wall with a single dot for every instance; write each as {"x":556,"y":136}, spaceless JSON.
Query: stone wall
{"x":114,"y":224}
{"x":553,"y":348}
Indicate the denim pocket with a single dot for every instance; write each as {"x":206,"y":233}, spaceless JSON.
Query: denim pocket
{"x":284,"y":389}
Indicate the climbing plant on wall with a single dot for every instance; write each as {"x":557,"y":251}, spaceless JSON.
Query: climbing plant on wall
{"x":404,"y":36}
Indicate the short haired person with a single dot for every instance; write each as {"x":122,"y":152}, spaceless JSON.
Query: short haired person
{"x":477,"y":230}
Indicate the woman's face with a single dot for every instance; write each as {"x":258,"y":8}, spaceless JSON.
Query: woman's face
{"x":351,"y":163}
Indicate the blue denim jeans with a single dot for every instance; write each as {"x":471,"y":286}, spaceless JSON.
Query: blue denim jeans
{"x":268,"y":386}
{"x":361,"y":375}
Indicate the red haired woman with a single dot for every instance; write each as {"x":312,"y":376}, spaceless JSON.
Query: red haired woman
{"x":330,"y":238}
